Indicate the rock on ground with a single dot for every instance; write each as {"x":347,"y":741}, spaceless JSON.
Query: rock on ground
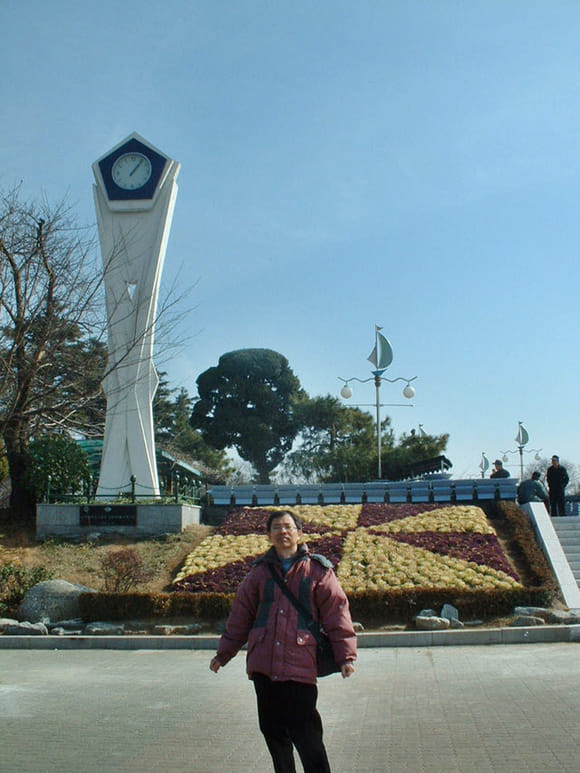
{"x":51,"y":600}
{"x":26,"y":629}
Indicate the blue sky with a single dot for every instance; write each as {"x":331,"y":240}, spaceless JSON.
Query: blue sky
{"x":344,"y":164}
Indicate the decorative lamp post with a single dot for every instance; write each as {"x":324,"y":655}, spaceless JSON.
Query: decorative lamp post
{"x":521,"y":439}
{"x":381,"y":357}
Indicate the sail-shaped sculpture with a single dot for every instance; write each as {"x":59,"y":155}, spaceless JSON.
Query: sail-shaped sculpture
{"x":382,"y":353}
{"x":522,"y":437}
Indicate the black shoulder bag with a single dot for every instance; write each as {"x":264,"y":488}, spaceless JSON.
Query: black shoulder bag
{"x":325,"y":662}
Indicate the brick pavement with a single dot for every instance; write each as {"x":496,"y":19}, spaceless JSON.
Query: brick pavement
{"x":454,"y":709}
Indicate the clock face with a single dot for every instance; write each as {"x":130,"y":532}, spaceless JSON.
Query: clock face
{"x":131,"y":171}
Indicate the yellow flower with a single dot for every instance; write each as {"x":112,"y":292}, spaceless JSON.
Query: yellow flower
{"x":335,"y":517}
{"x":465,"y":519}
{"x":219,"y":550}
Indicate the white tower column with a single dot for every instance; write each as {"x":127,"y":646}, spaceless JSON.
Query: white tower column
{"x":134,"y":199}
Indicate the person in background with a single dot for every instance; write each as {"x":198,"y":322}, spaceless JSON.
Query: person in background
{"x":281,"y":659}
{"x":499,"y":471}
{"x":557,"y":479}
{"x":533,"y":490}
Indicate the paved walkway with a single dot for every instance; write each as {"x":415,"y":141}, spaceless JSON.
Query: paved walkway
{"x":462,"y":709}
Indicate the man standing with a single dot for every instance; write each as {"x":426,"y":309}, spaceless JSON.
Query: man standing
{"x":557,"y":478}
{"x":281,"y":659}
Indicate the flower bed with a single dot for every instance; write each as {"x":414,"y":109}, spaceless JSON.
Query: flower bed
{"x":374,"y":547}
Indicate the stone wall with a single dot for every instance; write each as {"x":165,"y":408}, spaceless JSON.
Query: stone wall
{"x":151,"y":519}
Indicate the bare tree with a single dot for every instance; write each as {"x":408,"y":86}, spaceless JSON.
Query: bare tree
{"x":50,"y":309}
{"x":53,"y":355}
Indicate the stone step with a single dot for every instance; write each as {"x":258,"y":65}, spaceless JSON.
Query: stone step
{"x":569,"y":550}
{"x":568,"y":531}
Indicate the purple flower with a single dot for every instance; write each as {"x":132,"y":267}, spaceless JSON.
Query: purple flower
{"x":224,"y":579}
{"x":374,"y":514}
{"x":482,"y":549}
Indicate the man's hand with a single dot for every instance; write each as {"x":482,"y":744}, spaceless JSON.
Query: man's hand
{"x":346,"y":670}
{"x":214,"y":665}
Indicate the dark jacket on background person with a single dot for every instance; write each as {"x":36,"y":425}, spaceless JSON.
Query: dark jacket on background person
{"x":279,"y":643}
{"x":532,"y":490}
{"x":557,"y":479}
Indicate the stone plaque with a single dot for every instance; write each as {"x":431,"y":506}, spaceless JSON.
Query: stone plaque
{"x":108,"y":515}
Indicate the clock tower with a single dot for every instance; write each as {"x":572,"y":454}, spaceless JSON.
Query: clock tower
{"x":134,"y":195}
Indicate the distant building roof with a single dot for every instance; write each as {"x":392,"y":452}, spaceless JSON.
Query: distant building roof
{"x":165,"y":461}
{"x":435,"y":464}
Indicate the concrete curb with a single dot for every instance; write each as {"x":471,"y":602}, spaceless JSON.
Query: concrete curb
{"x":459,"y":637}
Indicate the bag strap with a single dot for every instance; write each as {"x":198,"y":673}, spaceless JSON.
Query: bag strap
{"x":311,"y":623}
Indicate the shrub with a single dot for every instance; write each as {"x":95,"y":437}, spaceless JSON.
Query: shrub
{"x":15,"y":581}
{"x":58,"y":467}
{"x":143,"y":606}
{"x":375,"y":608}
{"x":524,"y":546}
{"x":123,"y":570}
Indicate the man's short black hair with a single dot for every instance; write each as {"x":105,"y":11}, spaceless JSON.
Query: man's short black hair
{"x":536,"y":475}
{"x":278,"y":514}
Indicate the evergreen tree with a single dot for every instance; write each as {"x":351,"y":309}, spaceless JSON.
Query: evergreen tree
{"x":247,"y":402}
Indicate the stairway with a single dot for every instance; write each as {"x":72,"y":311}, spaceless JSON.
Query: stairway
{"x":568,"y":531}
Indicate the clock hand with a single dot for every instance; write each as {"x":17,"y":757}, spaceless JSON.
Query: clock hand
{"x":136,"y":167}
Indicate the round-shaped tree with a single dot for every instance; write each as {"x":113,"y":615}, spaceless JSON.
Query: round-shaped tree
{"x":247,"y":402}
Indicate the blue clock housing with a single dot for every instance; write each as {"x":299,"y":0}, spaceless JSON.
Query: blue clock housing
{"x":114,"y":192}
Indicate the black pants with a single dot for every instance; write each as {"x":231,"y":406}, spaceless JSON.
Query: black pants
{"x":557,"y":503}
{"x":288,"y":716}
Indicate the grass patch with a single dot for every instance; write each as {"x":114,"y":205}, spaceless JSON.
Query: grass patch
{"x":82,"y":563}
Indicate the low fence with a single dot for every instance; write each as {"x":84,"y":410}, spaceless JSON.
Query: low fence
{"x":437,"y":490}
{"x":187,"y":492}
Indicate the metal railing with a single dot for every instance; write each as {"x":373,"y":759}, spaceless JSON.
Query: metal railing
{"x":435,"y":490}
{"x":185,"y":491}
